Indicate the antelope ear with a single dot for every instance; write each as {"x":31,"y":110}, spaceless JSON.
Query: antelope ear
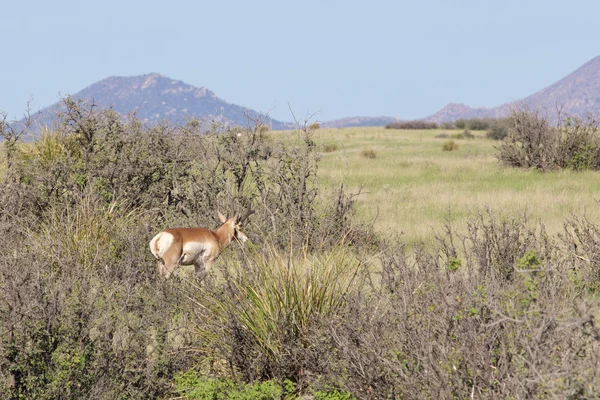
{"x":222,"y":217}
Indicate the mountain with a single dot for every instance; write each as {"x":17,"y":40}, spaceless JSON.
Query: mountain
{"x":578,"y":94}
{"x":358,"y":121}
{"x":155,"y":97}
{"x":454,"y":111}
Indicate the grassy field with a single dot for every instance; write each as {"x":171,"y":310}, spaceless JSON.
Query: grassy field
{"x":412,"y":185}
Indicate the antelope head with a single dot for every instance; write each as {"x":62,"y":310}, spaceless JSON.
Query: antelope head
{"x":235,"y":224}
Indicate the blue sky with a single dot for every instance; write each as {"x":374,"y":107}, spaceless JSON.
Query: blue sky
{"x":404,"y":59}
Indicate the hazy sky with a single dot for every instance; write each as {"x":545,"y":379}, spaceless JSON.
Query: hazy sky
{"x":404,"y":59}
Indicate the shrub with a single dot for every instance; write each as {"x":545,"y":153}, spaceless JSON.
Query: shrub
{"x":450,"y":145}
{"x":368,"y":153}
{"x":532,"y":143}
{"x":442,"y":135}
{"x":330,"y":147}
{"x":498,"y":130}
{"x":579,"y":144}
{"x":468,"y":135}
{"x":411,"y":125}
{"x":449,"y":323}
{"x":479,"y":124}
{"x":269,"y":308}
{"x":314,"y":126}
{"x":447,"y":125}
{"x":194,"y":387}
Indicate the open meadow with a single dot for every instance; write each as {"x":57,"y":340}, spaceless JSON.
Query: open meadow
{"x":412,"y":186}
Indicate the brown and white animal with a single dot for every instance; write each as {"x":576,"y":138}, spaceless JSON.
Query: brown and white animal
{"x":195,"y":246}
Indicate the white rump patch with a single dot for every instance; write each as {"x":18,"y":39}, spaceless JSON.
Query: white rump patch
{"x":160,"y":243}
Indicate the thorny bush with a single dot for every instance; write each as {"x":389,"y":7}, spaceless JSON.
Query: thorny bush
{"x":533,"y":142}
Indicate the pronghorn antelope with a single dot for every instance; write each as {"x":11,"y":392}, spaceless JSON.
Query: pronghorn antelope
{"x":195,"y":246}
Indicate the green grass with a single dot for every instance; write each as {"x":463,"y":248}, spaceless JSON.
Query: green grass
{"x":412,"y":185}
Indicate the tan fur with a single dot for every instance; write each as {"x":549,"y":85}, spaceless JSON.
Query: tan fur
{"x":193,"y":246}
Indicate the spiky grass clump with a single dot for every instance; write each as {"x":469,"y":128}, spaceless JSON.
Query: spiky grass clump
{"x":270,"y":304}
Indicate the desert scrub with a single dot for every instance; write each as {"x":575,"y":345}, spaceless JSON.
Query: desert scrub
{"x":330,"y":147}
{"x":368,"y":153}
{"x":533,"y":142}
{"x":450,"y":145}
{"x":88,"y":317}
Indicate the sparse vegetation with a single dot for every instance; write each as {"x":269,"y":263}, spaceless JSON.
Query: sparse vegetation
{"x":450,"y":145}
{"x":411,"y":125}
{"x":330,"y":147}
{"x":263,"y":128}
{"x":368,"y":153}
{"x":497,"y":130}
{"x":479,"y":124}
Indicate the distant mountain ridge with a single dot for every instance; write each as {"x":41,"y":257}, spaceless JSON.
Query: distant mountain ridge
{"x":154,"y":97}
{"x":576,"y":94}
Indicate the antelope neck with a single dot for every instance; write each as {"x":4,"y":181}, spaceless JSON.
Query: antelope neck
{"x":224,"y":235}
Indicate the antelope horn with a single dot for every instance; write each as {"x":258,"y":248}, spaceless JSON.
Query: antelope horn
{"x":248,"y":213}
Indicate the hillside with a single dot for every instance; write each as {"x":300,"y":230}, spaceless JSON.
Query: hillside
{"x":578,"y":94}
{"x":154,"y":97}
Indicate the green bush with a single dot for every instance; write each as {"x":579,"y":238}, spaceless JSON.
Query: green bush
{"x":480,"y":124}
{"x":411,"y":125}
{"x":497,"y":130}
{"x":193,"y":387}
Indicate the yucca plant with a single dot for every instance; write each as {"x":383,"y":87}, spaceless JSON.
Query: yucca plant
{"x":269,"y":305}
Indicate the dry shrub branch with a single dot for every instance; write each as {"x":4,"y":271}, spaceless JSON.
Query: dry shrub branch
{"x":532,"y":142}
